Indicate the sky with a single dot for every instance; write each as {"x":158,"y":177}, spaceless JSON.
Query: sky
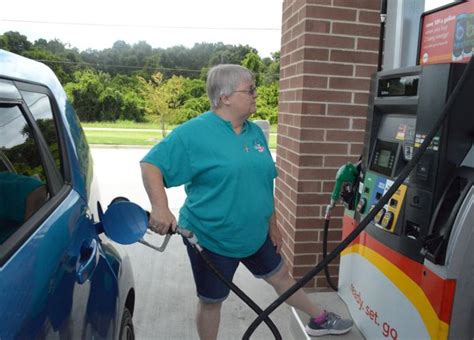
{"x":97,"y":24}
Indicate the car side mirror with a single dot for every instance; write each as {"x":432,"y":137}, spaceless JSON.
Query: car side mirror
{"x":124,"y":222}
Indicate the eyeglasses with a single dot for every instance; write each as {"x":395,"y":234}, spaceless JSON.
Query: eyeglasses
{"x":251,"y":91}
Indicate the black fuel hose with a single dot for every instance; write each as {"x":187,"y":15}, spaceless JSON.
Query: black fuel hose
{"x":244,"y":297}
{"x":325,"y":254}
{"x":383,"y":200}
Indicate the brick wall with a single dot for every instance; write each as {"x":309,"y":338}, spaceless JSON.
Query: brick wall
{"x":328,"y":53}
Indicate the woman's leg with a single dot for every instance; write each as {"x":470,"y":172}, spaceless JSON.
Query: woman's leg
{"x":208,"y":316}
{"x":281,"y":281}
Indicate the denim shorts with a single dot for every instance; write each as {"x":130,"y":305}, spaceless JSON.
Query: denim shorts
{"x":210,"y":289}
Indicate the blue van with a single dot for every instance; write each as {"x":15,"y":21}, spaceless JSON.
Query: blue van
{"x":60,"y":276}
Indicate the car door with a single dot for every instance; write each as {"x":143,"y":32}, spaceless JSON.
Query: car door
{"x":55,"y":281}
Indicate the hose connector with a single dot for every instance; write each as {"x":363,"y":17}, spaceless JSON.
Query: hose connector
{"x":329,"y":208}
{"x":190,"y":236}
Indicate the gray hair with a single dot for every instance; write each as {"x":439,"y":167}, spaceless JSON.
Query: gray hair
{"x":224,"y":79}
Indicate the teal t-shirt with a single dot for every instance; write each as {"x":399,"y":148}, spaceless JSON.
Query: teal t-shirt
{"x":14,"y":191}
{"x":228,"y":181}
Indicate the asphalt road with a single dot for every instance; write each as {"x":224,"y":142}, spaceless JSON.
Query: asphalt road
{"x":165,"y":293}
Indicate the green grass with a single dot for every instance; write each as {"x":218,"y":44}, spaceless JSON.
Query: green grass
{"x":124,"y":124}
{"x":134,"y":137}
{"x":273,"y":142}
{"x":123,"y":137}
{"x":128,"y":124}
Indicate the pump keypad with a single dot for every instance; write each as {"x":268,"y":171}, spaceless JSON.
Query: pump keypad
{"x":393,"y":202}
{"x":378,"y":218}
{"x":387,"y":220}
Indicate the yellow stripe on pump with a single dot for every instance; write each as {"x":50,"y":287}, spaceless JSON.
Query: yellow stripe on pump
{"x":436,"y":328}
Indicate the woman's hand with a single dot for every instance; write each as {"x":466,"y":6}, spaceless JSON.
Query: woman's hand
{"x":275,"y":235}
{"x":161,"y":220}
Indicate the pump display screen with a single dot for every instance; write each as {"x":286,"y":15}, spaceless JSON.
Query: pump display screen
{"x":400,"y":86}
{"x":383,"y":158}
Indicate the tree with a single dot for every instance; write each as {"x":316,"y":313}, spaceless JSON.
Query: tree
{"x":253,"y":62}
{"x":267,"y":102}
{"x":156,"y":102}
{"x":193,"y":107}
{"x":55,"y":46}
{"x":229,"y":54}
{"x":98,"y":97}
{"x":14,"y":42}
{"x":271,"y":72}
{"x":176,"y":60}
{"x":126,"y":59}
{"x":111,"y":102}
{"x":174,"y":92}
{"x":132,"y":103}
{"x":109,"y":84}
{"x":85,"y":92}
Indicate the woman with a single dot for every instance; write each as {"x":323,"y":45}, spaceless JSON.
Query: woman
{"x":224,"y":161}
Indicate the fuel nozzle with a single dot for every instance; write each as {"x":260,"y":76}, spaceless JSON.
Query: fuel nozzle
{"x":346,"y":178}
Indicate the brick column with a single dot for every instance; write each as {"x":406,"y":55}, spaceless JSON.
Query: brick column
{"x":328,"y":53}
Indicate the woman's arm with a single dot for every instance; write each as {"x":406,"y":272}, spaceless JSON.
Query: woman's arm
{"x":161,"y":217}
{"x":274,"y":232}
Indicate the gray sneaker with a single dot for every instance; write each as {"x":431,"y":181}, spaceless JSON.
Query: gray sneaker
{"x":332,"y":325}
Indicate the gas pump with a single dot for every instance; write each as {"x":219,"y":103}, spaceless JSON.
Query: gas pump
{"x":409,"y":275}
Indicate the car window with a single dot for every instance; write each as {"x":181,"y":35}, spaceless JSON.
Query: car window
{"x":23,"y":185}
{"x":40,"y":107}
